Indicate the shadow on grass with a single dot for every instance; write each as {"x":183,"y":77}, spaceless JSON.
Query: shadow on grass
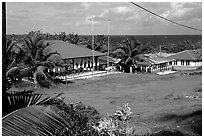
{"x":167,"y":133}
{"x":191,"y":122}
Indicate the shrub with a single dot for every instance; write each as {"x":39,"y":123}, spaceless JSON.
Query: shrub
{"x":82,"y":116}
{"x":116,"y":124}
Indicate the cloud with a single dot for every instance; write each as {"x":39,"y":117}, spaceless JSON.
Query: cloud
{"x":122,"y":9}
{"x":104,"y":13}
{"x":184,"y":11}
{"x":86,"y":5}
{"x":77,"y":24}
{"x":66,"y":23}
{"x":125,"y":17}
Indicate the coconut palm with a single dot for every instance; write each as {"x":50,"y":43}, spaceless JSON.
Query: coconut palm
{"x":51,"y":117}
{"x":100,"y":43}
{"x":35,"y":61}
{"x":73,"y":38}
{"x":12,"y":57}
{"x":130,"y":52}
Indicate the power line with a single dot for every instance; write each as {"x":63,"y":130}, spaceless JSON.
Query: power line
{"x":165,"y":18}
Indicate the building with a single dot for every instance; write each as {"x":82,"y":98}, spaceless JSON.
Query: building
{"x":77,"y":58}
{"x":187,"y":59}
{"x":155,"y":63}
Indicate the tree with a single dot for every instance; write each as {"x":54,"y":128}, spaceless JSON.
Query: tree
{"x":35,"y":61}
{"x":73,"y":38}
{"x":12,"y":57}
{"x":129,"y":51}
{"x":100,"y":43}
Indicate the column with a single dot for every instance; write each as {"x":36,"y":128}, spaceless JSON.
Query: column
{"x":73,"y":64}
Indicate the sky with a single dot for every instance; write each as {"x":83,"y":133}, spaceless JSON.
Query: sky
{"x":125,"y":18}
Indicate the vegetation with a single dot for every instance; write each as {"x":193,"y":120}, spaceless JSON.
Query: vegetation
{"x":66,"y":120}
{"x":30,"y":60}
{"x":54,"y":117}
{"x":130,"y":52}
{"x":116,"y":124}
{"x":181,"y":46}
{"x":29,"y":57}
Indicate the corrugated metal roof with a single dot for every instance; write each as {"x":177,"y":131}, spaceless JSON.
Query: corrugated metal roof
{"x":151,"y":59}
{"x":160,"y":59}
{"x":68,"y":50}
{"x":188,"y":55}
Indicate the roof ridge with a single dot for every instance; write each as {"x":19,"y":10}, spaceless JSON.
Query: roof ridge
{"x":190,"y":54}
{"x":177,"y":53}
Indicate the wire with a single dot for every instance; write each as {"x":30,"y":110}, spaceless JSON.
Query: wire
{"x":165,"y":18}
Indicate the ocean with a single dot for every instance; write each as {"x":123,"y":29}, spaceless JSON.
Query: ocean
{"x":154,"y":39}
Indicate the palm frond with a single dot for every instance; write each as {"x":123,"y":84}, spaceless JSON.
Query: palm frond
{"x":120,"y":50}
{"x":26,"y":72}
{"x":36,"y":121}
{"x":135,"y":52}
{"x":12,"y":64}
{"x":48,"y":100}
{"x":48,"y":64}
{"x":129,"y":60}
{"x":10,"y":45}
{"x":28,"y":43}
{"x":50,"y":54}
{"x":20,"y":99}
{"x":13,"y":71}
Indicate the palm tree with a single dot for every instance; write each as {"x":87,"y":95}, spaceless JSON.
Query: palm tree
{"x":100,"y":43}
{"x":129,"y":51}
{"x":73,"y":38}
{"x":35,"y":61}
{"x":50,"y":116}
{"x":12,"y":57}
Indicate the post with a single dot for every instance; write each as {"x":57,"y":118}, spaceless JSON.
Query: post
{"x":108,"y":44}
{"x":4,"y":94}
{"x":92,"y":30}
{"x":160,"y":49}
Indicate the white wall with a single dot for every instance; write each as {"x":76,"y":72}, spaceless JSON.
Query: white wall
{"x":192,"y":63}
{"x":178,"y":63}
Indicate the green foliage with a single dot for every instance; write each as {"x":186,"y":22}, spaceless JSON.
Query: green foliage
{"x":20,"y":99}
{"x":181,"y":46}
{"x":82,"y":118}
{"x":128,"y":51}
{"x":116,"y":124}
{"x":51,"y":117}
{"x":32,"y":61}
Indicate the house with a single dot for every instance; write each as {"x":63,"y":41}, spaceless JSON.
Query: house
{"x":105,"y":61}
{"x":187,"y":59}
{"x":155,"y":63}
{"x":77,"y":58}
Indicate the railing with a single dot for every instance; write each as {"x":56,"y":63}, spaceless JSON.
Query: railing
{"x":87,"y":75}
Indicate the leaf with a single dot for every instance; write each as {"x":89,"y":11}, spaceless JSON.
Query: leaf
{"x":120,"y":50}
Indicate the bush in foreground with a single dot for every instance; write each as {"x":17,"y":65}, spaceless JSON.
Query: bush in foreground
{"x":116,"y":124}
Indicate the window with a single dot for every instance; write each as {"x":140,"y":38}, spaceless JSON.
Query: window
{"x":187,"y":63}
{"x":170,"y":63}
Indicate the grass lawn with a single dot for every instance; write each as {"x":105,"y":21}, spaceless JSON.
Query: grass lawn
{"x":156,"y":101}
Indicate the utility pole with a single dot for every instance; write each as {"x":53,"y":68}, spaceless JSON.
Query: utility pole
{"x":92,"y":30}
{"x":160,"y":49}
{"x":108,"y":44}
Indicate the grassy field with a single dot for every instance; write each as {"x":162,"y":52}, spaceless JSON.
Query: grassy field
{"x":168,"y":102}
